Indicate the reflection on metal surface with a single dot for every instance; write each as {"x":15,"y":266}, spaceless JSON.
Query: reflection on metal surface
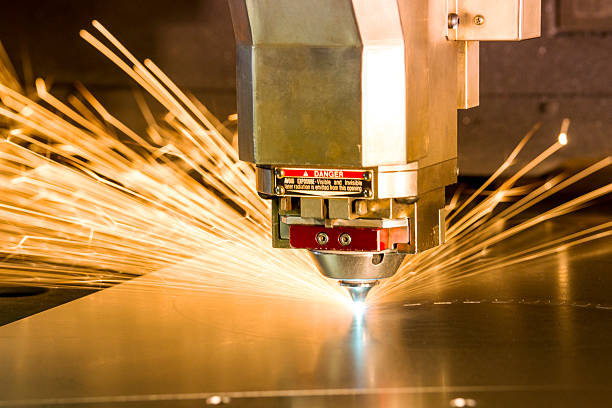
{"x":468,"y":74}
{"x":306,"y":396}
{"x":462,"y":402}
{"x":218,"y":399}
{"x":508,"y":336}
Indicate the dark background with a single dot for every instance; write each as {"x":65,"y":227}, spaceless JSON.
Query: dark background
{"x":567,"y":72}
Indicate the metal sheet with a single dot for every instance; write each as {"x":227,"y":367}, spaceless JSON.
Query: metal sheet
{"x":530,"y":335}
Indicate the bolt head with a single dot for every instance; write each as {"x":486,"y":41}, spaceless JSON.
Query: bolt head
{"x":479,"y":19}
{"x":367,"y":176}
{"x":367,"y":193}
{"x":280,"y":173}
{"x":279,"y":190}
{"x":453,"y":20}
{"x":344,"y":239}
{"x":322,"y":238}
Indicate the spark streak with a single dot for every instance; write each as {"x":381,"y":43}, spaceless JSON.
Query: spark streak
{"x":87,"y":202}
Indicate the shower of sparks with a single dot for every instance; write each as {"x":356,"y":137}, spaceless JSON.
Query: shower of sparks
{"x":473,"y":231}
{"x":87,"y":202}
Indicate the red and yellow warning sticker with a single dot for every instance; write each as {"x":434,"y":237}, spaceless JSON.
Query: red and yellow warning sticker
{"x":309,"y":182}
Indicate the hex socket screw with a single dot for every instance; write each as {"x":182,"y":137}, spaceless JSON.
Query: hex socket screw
{"x":322,"y":238}
{"x":479,"y":19}
{"x":344,"y":239}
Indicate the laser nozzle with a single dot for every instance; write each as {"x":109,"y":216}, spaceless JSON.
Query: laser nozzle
{"x":358,"y":271}
{"x":358,"y":289}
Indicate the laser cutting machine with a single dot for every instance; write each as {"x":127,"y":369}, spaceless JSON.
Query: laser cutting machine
{"x":348,"y":108}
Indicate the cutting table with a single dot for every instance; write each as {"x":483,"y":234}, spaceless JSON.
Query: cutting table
{"x":529,"y":335}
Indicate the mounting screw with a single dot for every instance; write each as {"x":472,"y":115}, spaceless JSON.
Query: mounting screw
{"x":322,"y":238}
{"x":453,"y":20}
{"x":367,"y":193}
{"x":279,"y":190}
{"x":367,"y":176}
{"x":280,"y":173}
{"x":479,"y":19}
{"x":344,"y":239}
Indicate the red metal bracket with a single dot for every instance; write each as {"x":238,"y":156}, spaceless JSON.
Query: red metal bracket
{"x":361,"y":239}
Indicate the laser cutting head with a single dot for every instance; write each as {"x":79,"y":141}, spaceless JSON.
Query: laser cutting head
{"x":358,"y":271}
{"x":348,"y":109}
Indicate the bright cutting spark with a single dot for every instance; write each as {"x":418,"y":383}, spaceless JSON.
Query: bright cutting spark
{"x":359,"y":309}
{"x":87,"y":202}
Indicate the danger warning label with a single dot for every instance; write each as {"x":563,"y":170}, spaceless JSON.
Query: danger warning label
{"x":323,"y":182}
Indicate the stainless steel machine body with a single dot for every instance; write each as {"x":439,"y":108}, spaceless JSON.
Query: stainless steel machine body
{"x":348,"y":109}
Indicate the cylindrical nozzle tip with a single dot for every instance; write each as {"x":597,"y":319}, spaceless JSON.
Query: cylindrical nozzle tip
{"x":358,"y":289}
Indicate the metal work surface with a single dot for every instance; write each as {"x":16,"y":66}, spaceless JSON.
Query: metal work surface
{"x":528,"y":335}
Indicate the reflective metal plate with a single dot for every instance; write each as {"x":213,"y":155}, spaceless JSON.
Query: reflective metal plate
{"x":531,"y":335}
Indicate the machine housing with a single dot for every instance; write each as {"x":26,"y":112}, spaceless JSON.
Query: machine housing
{"x":348,"y":109}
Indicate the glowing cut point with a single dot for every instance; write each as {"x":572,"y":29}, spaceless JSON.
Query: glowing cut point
{"x":359,"y":309}
{"x":563,"y":138}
